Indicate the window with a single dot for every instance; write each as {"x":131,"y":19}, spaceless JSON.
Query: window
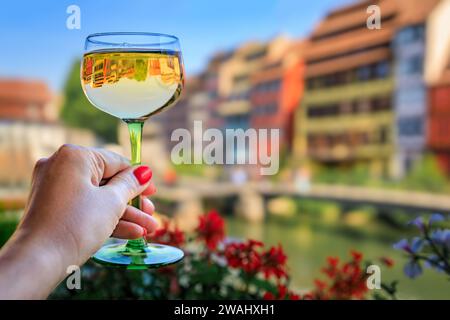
{"x":256,"y":55}
{"x":273,"y":85}
{"x":412,"y":65}
{"x":413,"y":95}
{"x":380,"y":104}
{"x":381,"y":70}
{"x":410,"y":34}
{"x":384,"y":134}
{"x":311,"y":83}
{"x":240,"y":78}
{"x":323,"y":111}
{"x":411,"y":126}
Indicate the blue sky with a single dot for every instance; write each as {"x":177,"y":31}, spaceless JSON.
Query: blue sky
{"x":36,"y":43}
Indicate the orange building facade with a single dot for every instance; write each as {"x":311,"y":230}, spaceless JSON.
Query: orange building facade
{"x":277,"y":89}
{"x":439,"y":121}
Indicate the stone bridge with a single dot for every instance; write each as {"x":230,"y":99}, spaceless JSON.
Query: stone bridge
{"x":248,"y":200}
{"x":186,"y":199}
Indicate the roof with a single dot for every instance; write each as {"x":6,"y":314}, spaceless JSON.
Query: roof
{"x":342,"y":37}
{"x":406,"y":12}
{"x":24,"y":90}
{"x":414,"y":11}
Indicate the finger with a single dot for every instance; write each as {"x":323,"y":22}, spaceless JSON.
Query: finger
{"x":140,"y":218}
{"x":147,"y":206}
{"x":129,"y":183}
{"x":128,"y":230}
{"x":112,"y":163}
{"x":151,"y":189}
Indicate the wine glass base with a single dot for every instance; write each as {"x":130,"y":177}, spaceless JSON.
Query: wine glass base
{"x":153,"y":255}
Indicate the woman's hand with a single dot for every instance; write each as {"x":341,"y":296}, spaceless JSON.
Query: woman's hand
{"x":78,"y":199}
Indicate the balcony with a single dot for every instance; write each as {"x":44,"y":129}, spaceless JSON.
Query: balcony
{"x":349,"y":92}
{"x":231,"y":108}
{"x":344,"y":152}
{"x":357,"y":122}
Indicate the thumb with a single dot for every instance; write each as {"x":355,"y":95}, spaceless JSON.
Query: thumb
{"x":130,"y":183}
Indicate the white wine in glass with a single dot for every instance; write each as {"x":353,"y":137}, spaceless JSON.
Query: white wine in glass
{"x":133,"y":75}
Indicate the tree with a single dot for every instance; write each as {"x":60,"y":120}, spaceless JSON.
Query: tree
{"x":78,"y":112}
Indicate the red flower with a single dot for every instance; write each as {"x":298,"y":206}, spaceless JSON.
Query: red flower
{"x":357,"y":256}
{"x":333,"y":261}
{"x":283,"y":293}
{"x":346,"y":281}
{"x":211,"y":229}
{"x":320,"y":285}
{"x":243,"y":255}
{"x":274,"y":262}
{"x":268,"y":296}
{"x":293,"y":296}
{"x":308,"y":296}
{"x":388,"y":262}
{"x":174,"y":286}
{"x":167,"y":236}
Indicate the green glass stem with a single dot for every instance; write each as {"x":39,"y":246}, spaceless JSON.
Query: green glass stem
{"x":135,"y":131}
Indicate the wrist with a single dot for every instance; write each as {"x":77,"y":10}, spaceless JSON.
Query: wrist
{"x":29,"y":268}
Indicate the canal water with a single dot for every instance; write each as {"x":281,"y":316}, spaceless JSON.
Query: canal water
{"x":308,"y":243}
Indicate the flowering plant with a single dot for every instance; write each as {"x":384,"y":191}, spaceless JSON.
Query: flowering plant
{"x":216,"y":267}
{"x":431,"y":248}
{"x":348,"y":280}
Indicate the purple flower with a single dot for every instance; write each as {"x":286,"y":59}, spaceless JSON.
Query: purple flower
{"x":433,"y":262}
{"x":418,"y":222}
{"x":402,"y":245}
{"x":416,"y":244}
{"x":441,"y":237}
{"x":435,"y":217}
{"x":412,"y":269}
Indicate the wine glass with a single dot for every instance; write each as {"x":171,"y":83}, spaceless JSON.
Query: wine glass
{"x":133,"y":75}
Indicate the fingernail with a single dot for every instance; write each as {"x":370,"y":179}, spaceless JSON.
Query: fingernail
{"x":143,"y":174}
{"x":144,"y":232}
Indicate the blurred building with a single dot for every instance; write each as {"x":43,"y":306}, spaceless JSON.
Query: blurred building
{"x":346,"y":116}
{"x":29,"y":101}
{"x":437,"y":75}
{"x":365,"y":101}
{"x":181,"y":114}
{"x":259,"y":86}
{"x":211,"y":87}
{"x":439,"y":119}
{"x":29,"y":129}
{"x":410,"y":99}
{"x":158,"y":130}
{"x":277,"y":88}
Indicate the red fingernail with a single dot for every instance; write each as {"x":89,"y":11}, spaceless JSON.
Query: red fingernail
{"x":143,"y":174}
{"x":144,"y":233}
